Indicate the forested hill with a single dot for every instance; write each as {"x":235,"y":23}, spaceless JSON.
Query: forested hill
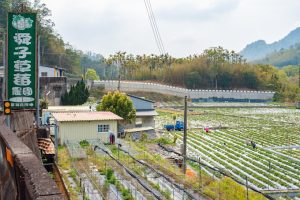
{"x":283,"y":57}
{"x":260,"y":49}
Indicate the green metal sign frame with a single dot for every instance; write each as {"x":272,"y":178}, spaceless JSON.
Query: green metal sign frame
{"x":21,"y":60}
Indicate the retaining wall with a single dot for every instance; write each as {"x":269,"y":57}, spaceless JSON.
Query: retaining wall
{"x":129,"y":86}
{"x":22,"y":175}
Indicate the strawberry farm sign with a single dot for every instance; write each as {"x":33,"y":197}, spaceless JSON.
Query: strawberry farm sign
{"x":21,"y":60}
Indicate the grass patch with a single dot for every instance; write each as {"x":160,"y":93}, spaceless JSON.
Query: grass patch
{"x":164,"y":140}
{"x":111,"y":179}
{"x":64,"y":160}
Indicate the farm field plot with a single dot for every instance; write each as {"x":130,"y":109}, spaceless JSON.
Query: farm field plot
{"x":274,"y":114}
{"x":291,"y":152}
{"x":272,"y":165}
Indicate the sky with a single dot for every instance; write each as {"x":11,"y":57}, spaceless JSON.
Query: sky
{"x":186,"y":26}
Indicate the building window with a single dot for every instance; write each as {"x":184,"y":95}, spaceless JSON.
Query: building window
{"x":103,"y":128}
{"x":44,"y":74}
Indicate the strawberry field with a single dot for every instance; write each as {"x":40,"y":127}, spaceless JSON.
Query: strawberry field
{"x":273,"y":163}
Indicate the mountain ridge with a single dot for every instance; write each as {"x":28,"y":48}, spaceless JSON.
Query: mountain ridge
{"x":260,"y":49}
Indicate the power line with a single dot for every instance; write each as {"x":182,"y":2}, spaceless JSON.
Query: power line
{"x":154,"y":27}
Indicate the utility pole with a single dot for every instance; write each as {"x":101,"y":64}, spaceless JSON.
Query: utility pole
{"x":4,"y":81}
{"x":269,"y":173}
{"x":184,"y":136}
{"x":4,"y":66}
{"x":200,"y":175}
{"x":84,"y":72}
{"x":38,"y":85}
{"x":119,"y":82}
{"x":56,"y":141}
{"x":216,"y":82}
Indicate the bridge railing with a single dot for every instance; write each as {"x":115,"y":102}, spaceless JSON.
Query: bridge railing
{"x":178,"y":91}
{"x":22,"y":175}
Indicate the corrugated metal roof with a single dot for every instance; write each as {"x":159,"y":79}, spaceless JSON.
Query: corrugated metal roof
{"x":85,"y":116}
{"x":67,"y":109}
{"x":46,"y":145}
{"x":141,"y":98}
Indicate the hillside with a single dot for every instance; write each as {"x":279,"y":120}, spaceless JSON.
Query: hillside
{"x":283,"y":57}
{"x":260,"y":49}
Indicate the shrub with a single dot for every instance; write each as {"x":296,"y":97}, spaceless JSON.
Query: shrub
{"x":84,"y":143}
{"x":163,"y":140}
{"x":109,"y":173}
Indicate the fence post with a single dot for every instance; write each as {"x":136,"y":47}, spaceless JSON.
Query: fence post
{"x":83,"y":192}
{"x":219,"y":195}
{"x":200,"y":175}
{"x":247,"y":195}
{"x":184,"y":136}
{"x":173,"y":191}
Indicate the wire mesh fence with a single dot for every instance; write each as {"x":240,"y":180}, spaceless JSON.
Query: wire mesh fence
{"x":75,"y":150}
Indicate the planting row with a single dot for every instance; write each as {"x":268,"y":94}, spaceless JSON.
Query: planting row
{"x":264,"y":169}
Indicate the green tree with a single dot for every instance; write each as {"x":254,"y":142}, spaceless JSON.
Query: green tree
{"x":118,"y":103}
{"x":91,"y":74}
{"x":77,"y":95}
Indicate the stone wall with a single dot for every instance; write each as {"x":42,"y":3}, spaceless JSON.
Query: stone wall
{"x":22,"y":124}
{"x":129,"y":86}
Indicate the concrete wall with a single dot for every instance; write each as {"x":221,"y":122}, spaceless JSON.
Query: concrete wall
{"x":57,"y":86}
{"x":22,"y":175}
{"x":77,"y":131}
{"x":49,"y":72}
{"x":181,"y":92}
{"x":148,"y":121}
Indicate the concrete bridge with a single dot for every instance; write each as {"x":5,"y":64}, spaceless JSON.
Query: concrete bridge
{"x":129,"y":86}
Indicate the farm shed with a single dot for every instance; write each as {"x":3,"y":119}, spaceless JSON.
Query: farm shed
{"x":48,"y":118}
{"x":145,"y":113}
{"x":77,"y":126}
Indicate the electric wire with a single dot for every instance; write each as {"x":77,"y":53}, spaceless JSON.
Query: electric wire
{"x":154,"y":27}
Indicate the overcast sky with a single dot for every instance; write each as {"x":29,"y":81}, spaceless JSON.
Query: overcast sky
{"x":186,"y":26}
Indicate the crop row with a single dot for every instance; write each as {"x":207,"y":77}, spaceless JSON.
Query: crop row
{"x":252,"y":165}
